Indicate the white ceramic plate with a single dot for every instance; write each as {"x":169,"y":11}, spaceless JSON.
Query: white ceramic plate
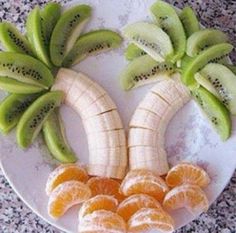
{"x":189,"y":136}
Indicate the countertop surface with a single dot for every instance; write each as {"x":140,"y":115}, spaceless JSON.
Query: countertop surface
{"x":16,"y":217}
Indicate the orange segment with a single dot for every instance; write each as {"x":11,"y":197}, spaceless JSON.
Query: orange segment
{"x":106,"y":186}
{"x":146,"y":182}
{"x":66,"y":195}
{"x":186,"y":173}
{"x":99,"y":202}
{"x":102,"y":221}
{"x":64,"y":173}
{"x":189,"y":196}
{"x":136,"y":202}
{"x":150,"y":219}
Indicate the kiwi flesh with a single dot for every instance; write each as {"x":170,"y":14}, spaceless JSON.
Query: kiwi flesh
{"x":31,"y":122}
{"x":189,"y":21}
{"x":151,"y":39}
{"x":55,"y":139}
{"x":67,"y":31}
{"x":231,"y":67}
{"x":216,"y":112}
{"x":201,"y":40}
{"x":25,"y":69}
{"x":133,"y":51}
{"x":12,"y":40}
{"x":210,"y":55}
{"x":92,"y":43}
{"x":167,"y":19}
{"x":144,"y":70}
{"x":12,"y":108}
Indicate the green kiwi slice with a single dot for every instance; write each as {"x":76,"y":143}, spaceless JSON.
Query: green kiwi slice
{"x":216,"y":112}
{"x":13,"y":86}
{"x":189,"y":21}
{"x":12,"y":108}
{"x":92,"y":43}
{"x":133,"y":51}
{"x":67,"y":31}
{"x":167,"y":19}
{"x":31,"y":122}
{"x":54,"y":135}
{"x":210,"y":55}
{"x":201,"y":40}
{"x":150,"y":38}
{"x":13,"y":40}
{"x":36,"y":36}
{"x":25,"y":69}
{"x":220,"y":81}
{"x":144,"y":70}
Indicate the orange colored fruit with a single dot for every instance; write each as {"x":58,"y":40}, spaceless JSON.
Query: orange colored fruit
{"x":189,"y":196}
{"x":102,"y":221}
{"x":106,"y":186}
{"x":145,"y":182}
{"x":187,"y":173}
{"x":65,"y":172}
{"x":66,"y":195}
{"x":136,"y":202}
{"x":99,"y":202}
{"x":150,"y":219}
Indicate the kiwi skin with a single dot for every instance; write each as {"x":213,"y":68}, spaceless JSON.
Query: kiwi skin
{"x":55,"y":139}
{"x":133,"y":51}
{"x":31,"y":122}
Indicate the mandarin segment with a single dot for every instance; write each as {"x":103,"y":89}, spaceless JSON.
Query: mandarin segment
{"x":102,"y":221}
{"x":145,"y":182}
{"x":136,"y":202}
{"x":187,"y":196}
{"x":148,"y":219}
{"x":65,"y":172}
{"x":66,"y":195}
{"x":187,"y":173}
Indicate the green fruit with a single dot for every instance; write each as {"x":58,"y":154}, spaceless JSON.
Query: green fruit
{"x":144,"y":70}
{"x":211,"y":55}
{"x":189,"y":21}
{"x":201,"y":40}
{"x":216,"y":112}
{"x":35,"y":36}
{"x":67,"y":31}
{"x":151,"y":39}
{"x":25,"y":69}
{"x":133,"y":51}
{"x":32,"y":120}
{"x":54,"y":135}
{"x":12,"y":108}
{"x":231,"y":67}
{"x":13,"y":40}
{"x":92,"y":43}
{"x":168,"y":20}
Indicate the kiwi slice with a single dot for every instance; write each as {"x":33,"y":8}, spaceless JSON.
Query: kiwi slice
{"x":220,"y":81}
{"x":133,"y":51}
{"x":31,"y":122}
{"x":216,"y":112}
{"x":189,"y":21}
{"x":25,"y":69}
{"x":92,"y":43}
{"x":169,"y":21}
{"x":12,"y":108}
{"x":14,"y":86}
{"x":150,"y":38}
{"x":13,"y":40}
{"x":144,"y":70}
{"x":210,"y":55}
{"x":54,"y":135}
{"x":67,"y":31}
{"x":36,"y":36}
{"x":201,"y":40}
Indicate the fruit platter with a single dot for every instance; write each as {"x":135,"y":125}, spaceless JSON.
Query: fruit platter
{"x":117,"y":117}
